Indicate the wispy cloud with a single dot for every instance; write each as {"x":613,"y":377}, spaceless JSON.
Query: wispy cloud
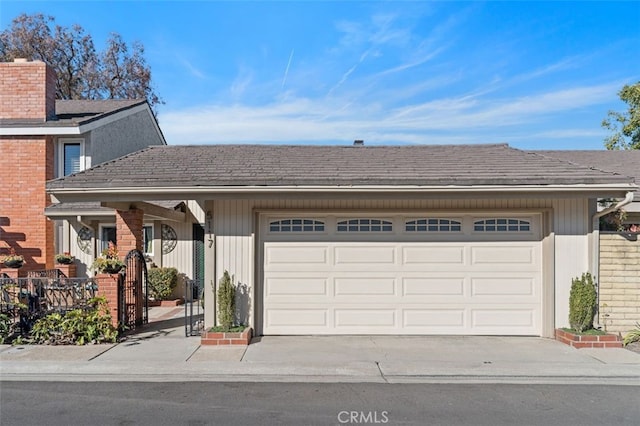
{"x":241,"y":82}
{"x":286,"y":71}
{"x":192,"y":69}
{"x":399,"y":86}
{"x":322,"y":120}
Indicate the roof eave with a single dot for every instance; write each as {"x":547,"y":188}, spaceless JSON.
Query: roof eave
{"x":82,"y":126}
{"x":86,"y":194}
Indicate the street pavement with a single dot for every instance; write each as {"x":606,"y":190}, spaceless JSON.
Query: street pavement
{"x":160,"y":352}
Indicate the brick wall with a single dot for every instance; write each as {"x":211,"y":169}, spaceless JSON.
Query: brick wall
{"x":26,"y":164}
{"x":27,"y":90}
{"x":129,"y":230}
{"x":619,"y":282}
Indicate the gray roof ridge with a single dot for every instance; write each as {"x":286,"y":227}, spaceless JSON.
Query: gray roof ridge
{"x":336,"y":146}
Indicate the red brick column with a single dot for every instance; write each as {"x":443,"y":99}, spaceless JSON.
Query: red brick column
{"x":129,"y":230}
{"x":108,"y":287}
{"x":129,"y":234}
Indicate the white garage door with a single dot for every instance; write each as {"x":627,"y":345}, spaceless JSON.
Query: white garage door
{"x":465,"y":274}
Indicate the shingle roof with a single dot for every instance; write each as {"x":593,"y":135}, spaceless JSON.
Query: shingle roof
{"x":297,"y":165}
{"x":623,"y":162}
{"x":77,"y":112}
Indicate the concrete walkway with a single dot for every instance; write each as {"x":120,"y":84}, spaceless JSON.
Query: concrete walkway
{"x":161,"y":352}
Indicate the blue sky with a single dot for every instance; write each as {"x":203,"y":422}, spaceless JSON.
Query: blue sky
{"x":536,"y":75}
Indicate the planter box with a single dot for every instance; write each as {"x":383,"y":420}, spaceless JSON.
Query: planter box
{"x":165,"y":303}
{"x":221,"y":338}
{"x":68,"y":269}
{"x":588,"y":340}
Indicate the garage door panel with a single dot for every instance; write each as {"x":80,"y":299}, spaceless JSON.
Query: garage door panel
{"x":364,"y":255}
{"x":350,"y":317}
{"x":503,"y":287}
{"x":296,"y":286}
{"x":433,"y":286}
{"x":309,"y":317}
{"x":499,"y":256}
{"x":365,"y":286}
{"x":434,"y":318}
{"x":432,"y":254}
{"x":294,"y":254}
{"x":521,"y":317}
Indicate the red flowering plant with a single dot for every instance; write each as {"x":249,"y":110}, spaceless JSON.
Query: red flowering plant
{"x":108,"y":262}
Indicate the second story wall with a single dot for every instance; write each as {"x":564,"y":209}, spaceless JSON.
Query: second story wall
{"x":122,"y":137}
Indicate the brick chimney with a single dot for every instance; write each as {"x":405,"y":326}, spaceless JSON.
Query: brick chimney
{"x":27,"y":90}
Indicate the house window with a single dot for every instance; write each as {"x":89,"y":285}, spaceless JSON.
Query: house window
{"x":501,"y":225}
{"x":433,"y":225}
{"x":70,"y":156}
{"x":107,"y":234}
{"x":364,"y":225}
{"x":296,"y":225}
{"x":147,"y":239}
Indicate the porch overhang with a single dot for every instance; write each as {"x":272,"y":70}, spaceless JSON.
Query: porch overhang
{"x":107,"y":211}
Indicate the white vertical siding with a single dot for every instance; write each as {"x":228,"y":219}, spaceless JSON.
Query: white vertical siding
{"x":84,"y":260}
{"x":181,"y":257}
{"x":571,"y":227}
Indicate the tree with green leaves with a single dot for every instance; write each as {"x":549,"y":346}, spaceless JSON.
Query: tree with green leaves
{"x":626,"y":125}
{"x":118,"y":72}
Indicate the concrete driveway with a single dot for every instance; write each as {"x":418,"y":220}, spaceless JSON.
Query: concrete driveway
{"x":161,"y":352}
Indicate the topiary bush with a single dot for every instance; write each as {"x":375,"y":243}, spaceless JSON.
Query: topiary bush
{"x":582,"y":303}
{"x":162,"y":281}
{"x":226,"y":301}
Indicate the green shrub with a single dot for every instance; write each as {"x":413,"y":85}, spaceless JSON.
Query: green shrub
{"x":633,"y":335}
{"x":226,"y":301}
{"x":582,"y":303}
{"x":6,"y":328}
{"x":162,"y":281}
{"x":79,"y":326}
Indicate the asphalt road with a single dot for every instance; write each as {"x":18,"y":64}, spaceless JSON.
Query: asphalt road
{"x":132,"y":403}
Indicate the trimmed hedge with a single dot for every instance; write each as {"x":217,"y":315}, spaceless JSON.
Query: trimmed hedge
{"x":582,"y":303}
{"x":226,"y":301}
{"x":162,"y":281}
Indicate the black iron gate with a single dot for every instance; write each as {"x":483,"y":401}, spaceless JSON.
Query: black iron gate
{"x":194,"y":289}
{"x":193,"y":307}
{"x":133,"y":304}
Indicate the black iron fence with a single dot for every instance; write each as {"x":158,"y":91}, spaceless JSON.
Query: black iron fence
{"x":24,"y":300}
{"x":193,"y":307}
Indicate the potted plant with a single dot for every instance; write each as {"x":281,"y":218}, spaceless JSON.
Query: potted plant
{"x":13,"y":260}
{"x":64,"y":258}
{"x":108,"y":262}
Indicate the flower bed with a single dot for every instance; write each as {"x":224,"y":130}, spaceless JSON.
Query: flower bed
{"x":227,"y":338}
{"x":580,"y":341}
